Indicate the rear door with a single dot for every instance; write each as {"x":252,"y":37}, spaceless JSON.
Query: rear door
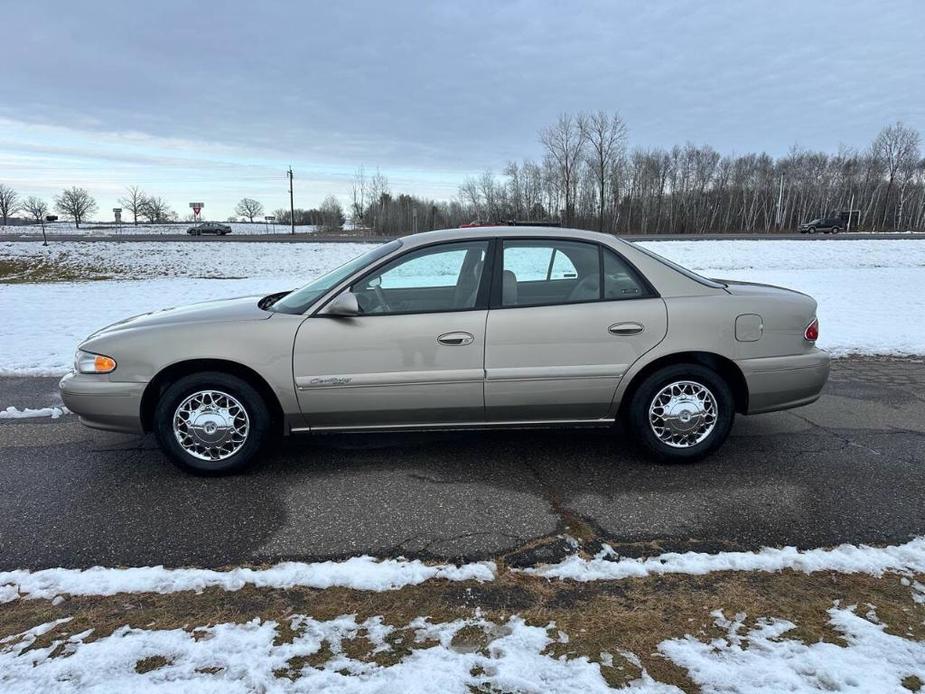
{"x":567,"y":319}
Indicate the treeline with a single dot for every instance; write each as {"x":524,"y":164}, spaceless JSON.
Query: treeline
{"x":328,"y":217}
{"x":588,"y":178}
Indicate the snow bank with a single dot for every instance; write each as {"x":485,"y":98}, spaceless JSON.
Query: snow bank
{"x":359,"y":573}
{"x":243,"y":657}
{"x":607,"y":566}
{"x":28,"y":412}
{"x":367,"y":573}
{"x":762,"y":660}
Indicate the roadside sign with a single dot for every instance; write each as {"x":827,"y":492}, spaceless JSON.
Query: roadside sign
{"x":117,"y":211}
{"x":197,"y":208}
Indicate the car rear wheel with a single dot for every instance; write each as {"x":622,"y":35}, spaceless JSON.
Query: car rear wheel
{"x":681,"y":412}
{"x":211,"y":423}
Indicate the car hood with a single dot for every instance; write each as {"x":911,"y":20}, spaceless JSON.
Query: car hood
{"x":244,"y":308}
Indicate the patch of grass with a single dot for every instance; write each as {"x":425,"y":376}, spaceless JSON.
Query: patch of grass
{"x":152,"y":662}
{"x":37,"y":270}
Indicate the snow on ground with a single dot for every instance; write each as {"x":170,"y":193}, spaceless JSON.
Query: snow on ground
{"x":359,"y":573}
{"x":28,"y":412}
{"x":764,"y":660}
{"x":323,"y":654}
{"x":229,"y":657}
{"x":110,"y":229}
{"x":166,"y":259}
{"x":870,"y":293}
{"x":243,"y":658}
{"x":366,"y":573}
{"x":606,"y":565}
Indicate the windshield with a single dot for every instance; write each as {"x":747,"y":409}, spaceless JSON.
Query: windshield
{"x":690,"y":274}
{"x":301,"y":299}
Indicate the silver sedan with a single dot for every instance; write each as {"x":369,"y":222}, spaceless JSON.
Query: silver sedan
{"x":458,"y":329}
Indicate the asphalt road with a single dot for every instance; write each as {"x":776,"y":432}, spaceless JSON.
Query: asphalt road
{"x":849,"y":468}
{"x":33,"y":237}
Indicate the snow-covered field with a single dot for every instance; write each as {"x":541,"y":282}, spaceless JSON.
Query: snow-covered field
{"x":110,"y":229}
{"x":752,"y":653}
{"x":871,"y":294}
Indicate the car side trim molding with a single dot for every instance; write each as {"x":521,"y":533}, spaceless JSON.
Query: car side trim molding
{"x":398,"y":378}
{"x":453,"y":426}
{"x":555,"y":373}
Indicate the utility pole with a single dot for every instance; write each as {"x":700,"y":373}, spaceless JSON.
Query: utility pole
{"x":291,"y":205}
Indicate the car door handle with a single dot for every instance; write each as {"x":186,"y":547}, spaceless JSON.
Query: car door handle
{"x":456,"y":339}
{"x":625,"y":329}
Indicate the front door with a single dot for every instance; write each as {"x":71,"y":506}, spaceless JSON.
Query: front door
{"x":567,"y":321}
{"x":415,"y":354}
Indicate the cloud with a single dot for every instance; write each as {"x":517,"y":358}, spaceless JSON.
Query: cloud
{"x":434,"y":91}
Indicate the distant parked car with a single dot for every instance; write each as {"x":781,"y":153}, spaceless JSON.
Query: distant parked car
{"x":459,"y":329}
{"x":827,"y":225}
{"x":209,"y":228}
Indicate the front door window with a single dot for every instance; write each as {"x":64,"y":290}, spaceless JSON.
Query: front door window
{"x":430,"y":280}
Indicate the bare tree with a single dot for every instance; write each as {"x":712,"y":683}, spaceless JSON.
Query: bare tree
{"x":250,"y":208}
{"x":36,"y":208}
{"x":471,"y":194}
{"x":564,"y":143}
{"x":606,"y":137}
{"x":358,"y":205}
{"x":155,"y":209}
{"x":332,"y":214}
{"x":75,"y":203}
{"x":134,"y":202}
{"x":898,"y":147}
{"x":8,"y":201}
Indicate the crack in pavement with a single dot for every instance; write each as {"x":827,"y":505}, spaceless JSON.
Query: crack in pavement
{"x":846,"y":441}
{"x":572,"y":523}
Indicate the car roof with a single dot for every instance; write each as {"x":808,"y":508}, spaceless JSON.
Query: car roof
{"x":470,"y":233}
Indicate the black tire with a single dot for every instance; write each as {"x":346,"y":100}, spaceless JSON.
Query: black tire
{"x":258,"y":415}
{"x":637,"y":412}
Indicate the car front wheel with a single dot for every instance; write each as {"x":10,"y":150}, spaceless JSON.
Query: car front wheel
{"x":681,"y":412}
{"x":211,"y":423}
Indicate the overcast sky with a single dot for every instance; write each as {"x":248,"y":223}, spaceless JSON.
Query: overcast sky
{"x":213,"y":101}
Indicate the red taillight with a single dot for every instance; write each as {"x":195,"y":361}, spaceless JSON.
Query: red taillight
{"x":811,"y":334}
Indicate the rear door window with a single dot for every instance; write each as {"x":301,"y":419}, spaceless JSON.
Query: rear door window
{"x":543,"y":272}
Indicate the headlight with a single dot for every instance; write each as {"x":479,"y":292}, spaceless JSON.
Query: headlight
{"x":89,"y":363}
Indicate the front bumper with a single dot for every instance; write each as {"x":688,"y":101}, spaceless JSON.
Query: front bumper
{"x":103,"y":404}
{"x":779,"y":383}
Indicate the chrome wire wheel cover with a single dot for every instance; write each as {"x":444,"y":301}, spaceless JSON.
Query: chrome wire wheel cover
{"x":683,"y":414}
{"x":211,"y":425}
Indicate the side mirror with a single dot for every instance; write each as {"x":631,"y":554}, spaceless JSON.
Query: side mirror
{"x":344,"y":304}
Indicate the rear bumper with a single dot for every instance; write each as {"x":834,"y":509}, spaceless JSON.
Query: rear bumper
{"x":103,"y":404}
{"x":779,"y":383}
